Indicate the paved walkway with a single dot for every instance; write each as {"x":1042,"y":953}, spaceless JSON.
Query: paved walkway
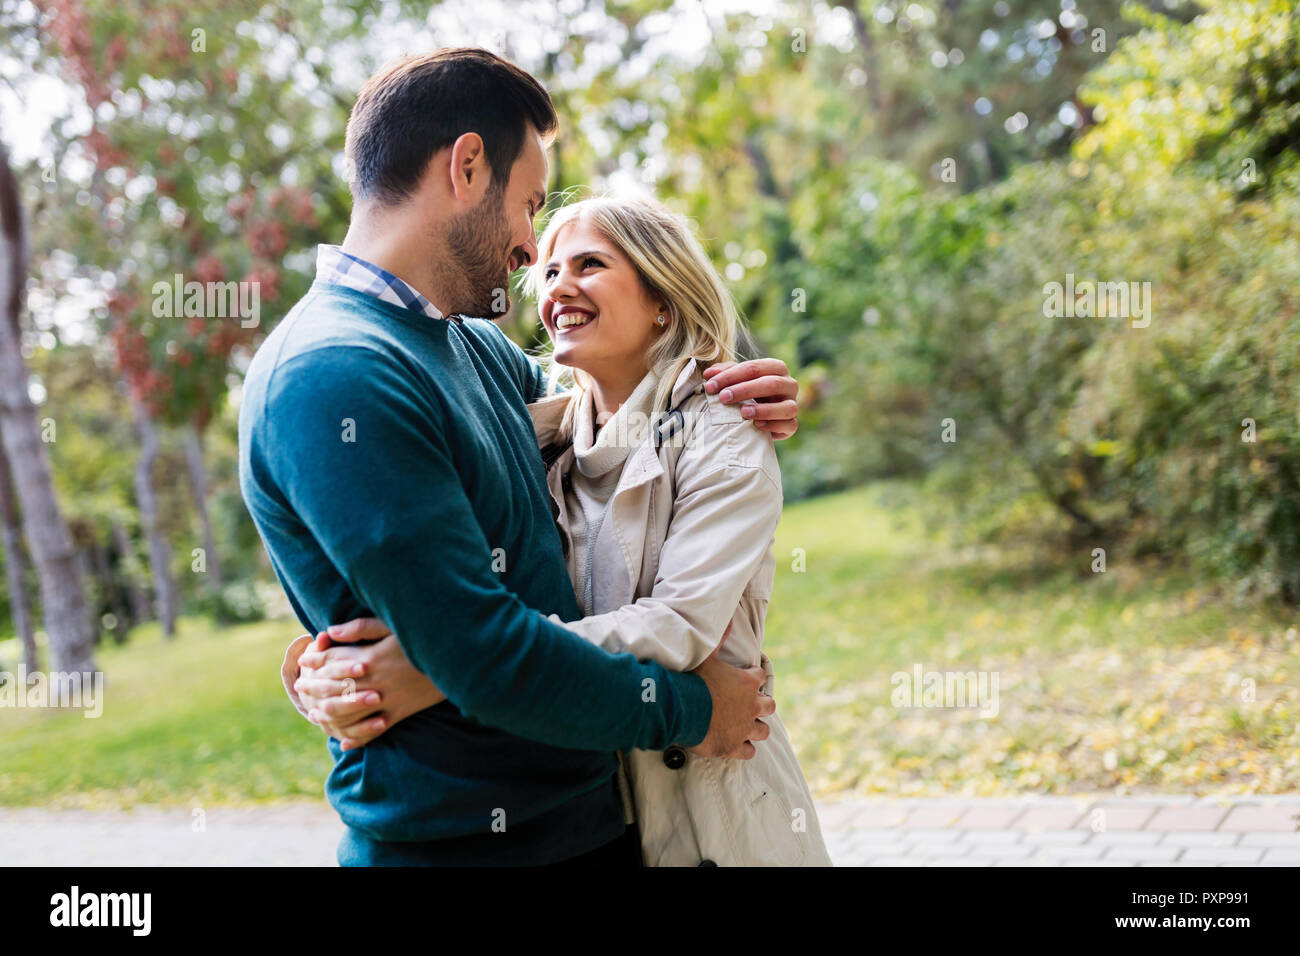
{"x":1065,"y":831}
{"x":1043,"y":831}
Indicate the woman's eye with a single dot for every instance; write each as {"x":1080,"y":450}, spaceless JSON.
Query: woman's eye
{"x":549,"y":275}
{"x":590,"y":259}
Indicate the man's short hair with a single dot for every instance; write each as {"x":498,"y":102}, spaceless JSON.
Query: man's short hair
{"x":417,"y":105}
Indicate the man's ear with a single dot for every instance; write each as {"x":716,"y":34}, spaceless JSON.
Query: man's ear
{"x":470,"y":172}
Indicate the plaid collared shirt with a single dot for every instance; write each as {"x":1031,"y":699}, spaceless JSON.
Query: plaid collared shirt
{"x":336,"y":266}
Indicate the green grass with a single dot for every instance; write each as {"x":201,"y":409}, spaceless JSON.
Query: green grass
{"x":1130,"y":681}
{"x":201,"y":720}
{"x":1127,"y":681}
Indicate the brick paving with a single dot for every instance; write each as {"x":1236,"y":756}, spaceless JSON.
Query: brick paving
{"x":1065,"y":831}
{"x":1043,"y":831}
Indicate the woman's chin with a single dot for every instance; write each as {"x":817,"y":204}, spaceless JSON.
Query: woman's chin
{"x":568,"y":357}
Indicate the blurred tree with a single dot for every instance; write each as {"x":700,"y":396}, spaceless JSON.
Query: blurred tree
{"x":16,"y":567}
{"x":1219,"y":96}
{"x":63,"y":606}
{"x":191,"y":184}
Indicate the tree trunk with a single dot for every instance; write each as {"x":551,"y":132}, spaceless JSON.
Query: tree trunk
{"x":15,"y":552}
{"x":199,"y":480}
{"x":63,"y":600}
{"x":112,"y":591}
{"x":160,"y":553}
{"x":135,"y":595}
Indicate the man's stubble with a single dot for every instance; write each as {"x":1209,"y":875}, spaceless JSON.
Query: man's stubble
{"x":477,"y":253}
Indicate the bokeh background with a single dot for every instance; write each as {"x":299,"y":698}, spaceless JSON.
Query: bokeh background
{"x":1104,"y":514}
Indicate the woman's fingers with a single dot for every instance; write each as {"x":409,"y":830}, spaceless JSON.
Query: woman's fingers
{"x":342,"y":717}
{"x":338,"y":670}
{"x":292,"y":656}
{"x":359,"y":629}
{"x":290,"y":669}
{"x":360,"y":734}
{"x":340,"y":652}
{"x":331,"y":692}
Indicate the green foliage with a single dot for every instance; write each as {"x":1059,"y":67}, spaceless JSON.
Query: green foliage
{"x":809,"y":143}
{"x":1135,"y":431}
{"x":1218,"y":97}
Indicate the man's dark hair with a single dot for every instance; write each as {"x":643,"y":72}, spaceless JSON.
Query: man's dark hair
{"x":417,"y":105}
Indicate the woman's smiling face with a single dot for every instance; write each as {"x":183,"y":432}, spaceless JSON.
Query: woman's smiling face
{"x":594,"y":305}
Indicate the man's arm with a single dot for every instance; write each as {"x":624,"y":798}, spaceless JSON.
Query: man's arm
{"x":768,"y":382}
{"x":392,"y":516}
{"x":678,"y":625}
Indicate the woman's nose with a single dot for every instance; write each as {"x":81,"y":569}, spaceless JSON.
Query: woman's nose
{"x":562,"y":285}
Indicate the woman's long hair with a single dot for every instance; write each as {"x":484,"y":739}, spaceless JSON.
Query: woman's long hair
{"x":703,"y":322}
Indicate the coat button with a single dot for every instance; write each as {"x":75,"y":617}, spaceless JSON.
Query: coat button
{"x":707,"y":863}
{"x":674,"y":758}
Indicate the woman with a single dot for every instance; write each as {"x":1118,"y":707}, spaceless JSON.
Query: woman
{"x":666,"y":501}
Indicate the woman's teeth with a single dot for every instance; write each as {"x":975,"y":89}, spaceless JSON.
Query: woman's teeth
{"x":571,"y":319}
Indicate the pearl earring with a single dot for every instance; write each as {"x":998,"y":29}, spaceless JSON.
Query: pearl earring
{"x":661,"y":320}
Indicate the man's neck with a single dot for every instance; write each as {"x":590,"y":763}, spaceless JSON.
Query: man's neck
{"x":392,"y":248}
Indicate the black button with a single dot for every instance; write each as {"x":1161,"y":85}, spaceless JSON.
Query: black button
{"x":674,"y":758}
{"x":707,"y":863}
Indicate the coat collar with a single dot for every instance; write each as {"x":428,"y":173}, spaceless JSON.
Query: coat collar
{"x":548,"y":412}
{"x":685,"y":384}
{"x":546,"y":415}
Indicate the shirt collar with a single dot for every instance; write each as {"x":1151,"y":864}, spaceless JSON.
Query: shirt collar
{"x":335,"y":266}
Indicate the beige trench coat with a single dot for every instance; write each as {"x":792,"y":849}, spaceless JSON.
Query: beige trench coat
{"x":690,"y":527}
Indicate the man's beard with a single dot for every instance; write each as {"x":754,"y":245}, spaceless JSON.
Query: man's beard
{"x":477,"y":249}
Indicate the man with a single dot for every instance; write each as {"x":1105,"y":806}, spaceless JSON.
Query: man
{"x":391,"y":468}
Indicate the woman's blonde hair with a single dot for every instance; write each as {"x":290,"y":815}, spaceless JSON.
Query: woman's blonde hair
{"x":703,"y":322}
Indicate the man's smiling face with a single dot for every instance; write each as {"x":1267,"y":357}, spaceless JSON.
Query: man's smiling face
{"x":498,"y":235}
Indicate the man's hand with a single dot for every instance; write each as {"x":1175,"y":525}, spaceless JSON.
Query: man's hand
{"x":737,"y":705}
{"x":767,"y":383}
{"x":355,"y":693}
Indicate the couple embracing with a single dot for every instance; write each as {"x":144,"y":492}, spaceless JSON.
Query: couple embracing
{"x":539,"y":611}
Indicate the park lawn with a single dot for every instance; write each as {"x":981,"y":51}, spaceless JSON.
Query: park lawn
{"x":1130,"y":681}
{"x":201,"y":720}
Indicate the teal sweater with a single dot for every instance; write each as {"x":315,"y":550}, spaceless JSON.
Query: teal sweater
{"x":391,"y":469}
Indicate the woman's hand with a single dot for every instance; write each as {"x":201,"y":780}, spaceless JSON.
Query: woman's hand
{"x":355,"y":693}
{"x":290,"y":670}
{"x":767,"y":383}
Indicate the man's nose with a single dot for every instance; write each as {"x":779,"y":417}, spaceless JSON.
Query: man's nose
{"x":529,"y":252}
